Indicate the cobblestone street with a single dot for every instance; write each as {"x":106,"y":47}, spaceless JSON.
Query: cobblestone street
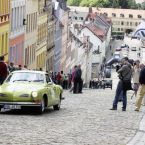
{"x":84,"y":119}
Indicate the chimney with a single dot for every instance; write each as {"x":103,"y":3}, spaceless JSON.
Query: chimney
{"x":90,"y":10}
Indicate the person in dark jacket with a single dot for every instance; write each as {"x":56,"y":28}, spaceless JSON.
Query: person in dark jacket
{"x":78,"y":83}
{"x":3,"y":70}
{"x":125,"y":73}
{"x":141,"y":89}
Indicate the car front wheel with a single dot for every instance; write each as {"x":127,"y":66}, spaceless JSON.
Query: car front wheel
{"x":57,"y":107}
{"x":41,"y":108}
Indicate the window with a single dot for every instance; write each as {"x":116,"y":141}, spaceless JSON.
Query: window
{"x":127,"y":23}
{"x":105,"y":14}
{"x":81,"y":18}
{"x":122,"y":15}
{"x":118,"y":29}
{"x":130,"y":23}
{"x":136,"y":23}
{"x":122,"y":23}
{"x":75,"y":18}
{"x":113,"y":14}
{"x":130,"y":16}
{"x":139,"y":16}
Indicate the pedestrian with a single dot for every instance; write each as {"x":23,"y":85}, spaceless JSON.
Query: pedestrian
{"x":125,"y":73}
{"x":72,"y":80}
{"x":141,"y":89}
{"x":3,"y":70}
{"x":78,"y":83}
{"x":11,"y":67}
{"x":58,"y":78}
{"x":136,"y":73}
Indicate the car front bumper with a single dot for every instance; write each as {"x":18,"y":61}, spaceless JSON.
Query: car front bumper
{"x":18,"y":105}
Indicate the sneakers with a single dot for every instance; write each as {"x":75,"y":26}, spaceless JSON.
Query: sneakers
{"x":136,"y":110}
{"x":113,"y":109}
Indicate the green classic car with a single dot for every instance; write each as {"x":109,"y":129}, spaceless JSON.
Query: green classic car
{"x":25,"y":88}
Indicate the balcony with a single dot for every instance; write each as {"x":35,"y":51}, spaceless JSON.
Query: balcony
{"x":4,"y":18}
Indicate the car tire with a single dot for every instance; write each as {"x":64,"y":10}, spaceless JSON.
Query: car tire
{"x":57,"y":107}
{"x":41,"y":108}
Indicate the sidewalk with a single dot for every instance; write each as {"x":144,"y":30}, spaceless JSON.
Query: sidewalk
{"x":139,"y":138}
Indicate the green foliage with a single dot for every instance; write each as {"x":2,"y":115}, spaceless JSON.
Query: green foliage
{"x":124,"y":4}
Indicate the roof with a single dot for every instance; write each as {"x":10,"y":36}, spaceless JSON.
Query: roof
{"x":100,"y":33}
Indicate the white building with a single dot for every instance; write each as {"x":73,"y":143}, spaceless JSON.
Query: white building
{"x":90,"y":39}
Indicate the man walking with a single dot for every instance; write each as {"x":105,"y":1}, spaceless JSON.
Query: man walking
{"x":141,"y":89}
{"x":125,"y":73}
{"x":3,"y":70}
{"x":78,"y":80}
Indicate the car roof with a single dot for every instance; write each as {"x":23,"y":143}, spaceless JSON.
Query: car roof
{"x":29,"y":71}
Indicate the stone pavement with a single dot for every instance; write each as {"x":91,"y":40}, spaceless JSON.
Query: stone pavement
{"x":84,"y":119}
{"x":139,"y":138}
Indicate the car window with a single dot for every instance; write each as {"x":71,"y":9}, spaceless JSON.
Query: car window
{"x":26,"y":76}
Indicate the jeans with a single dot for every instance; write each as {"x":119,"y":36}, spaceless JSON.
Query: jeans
{"x":120,"y":90}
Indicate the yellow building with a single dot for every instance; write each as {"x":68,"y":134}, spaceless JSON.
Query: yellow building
{"x":41,"y":51}
{"x":4,"y":28}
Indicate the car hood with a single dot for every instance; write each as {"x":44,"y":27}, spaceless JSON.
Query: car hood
{"x":20,"y":87}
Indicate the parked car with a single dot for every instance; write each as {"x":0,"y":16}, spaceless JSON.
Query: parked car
{"x":117,"y":55}
{"x":107,"y":84}
{"x":108,"y":72}
{"x":133,"y":48}
{"x":26,"y":88}
{"x":118,"y":49}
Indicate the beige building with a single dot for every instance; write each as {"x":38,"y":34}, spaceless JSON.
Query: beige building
{"x":30,"y":33}
{"x":122,"y":19}
{"x":64,"y":26}
{"x":41,"y":51}
{"x":50,"y":37}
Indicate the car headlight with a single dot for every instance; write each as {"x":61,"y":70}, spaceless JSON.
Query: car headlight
{"x":34,"y":94}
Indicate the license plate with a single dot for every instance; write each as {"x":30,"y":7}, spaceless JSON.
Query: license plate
{"x":12,"y":107}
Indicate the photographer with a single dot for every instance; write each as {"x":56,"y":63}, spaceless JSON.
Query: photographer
{"x":125,"y":73}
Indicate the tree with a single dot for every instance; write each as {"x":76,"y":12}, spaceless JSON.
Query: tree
{"x":73,"y":2}
{"x":132,"y":4}
{"x":85,"y":3}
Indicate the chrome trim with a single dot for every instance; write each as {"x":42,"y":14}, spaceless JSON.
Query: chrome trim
{"x":21,"y":103}
{"x":24,"y":95}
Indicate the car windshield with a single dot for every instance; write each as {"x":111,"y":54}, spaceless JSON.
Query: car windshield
{"x":26,"y":76}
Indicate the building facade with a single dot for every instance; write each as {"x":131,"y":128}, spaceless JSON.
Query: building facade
{"x":64,"y":27}
{"x":61,"y":35}
{"x":50,"y":36}
{"x":41,"y":51}
{"x":30,"y":23}
{"x":4,"y":28}
{"x":17,"y":15}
